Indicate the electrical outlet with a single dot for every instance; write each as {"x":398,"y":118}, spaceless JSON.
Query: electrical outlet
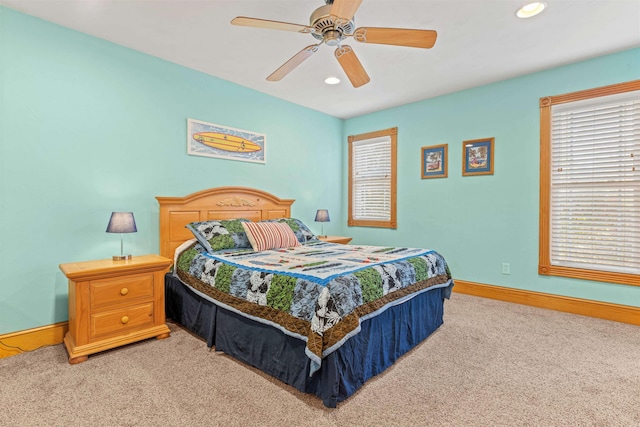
{"x":506,"y":268}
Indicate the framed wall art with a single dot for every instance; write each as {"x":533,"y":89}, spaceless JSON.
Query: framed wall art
{"x":434,"y":161}
{"x":477,"y":157}
{"x":212,"y":140}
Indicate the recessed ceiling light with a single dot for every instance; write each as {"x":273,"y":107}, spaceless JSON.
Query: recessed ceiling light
{"x":531,"y":9}
{"x":332,"y":80}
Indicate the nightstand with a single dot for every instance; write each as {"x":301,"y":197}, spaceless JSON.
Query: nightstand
{"x":113,"y":303}
{"x":335,"y":239}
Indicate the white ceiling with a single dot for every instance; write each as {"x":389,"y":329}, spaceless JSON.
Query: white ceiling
{"x":479,"y":42}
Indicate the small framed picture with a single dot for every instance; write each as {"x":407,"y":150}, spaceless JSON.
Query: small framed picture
{"x":477,"y":157}
{"x":434,"y":161}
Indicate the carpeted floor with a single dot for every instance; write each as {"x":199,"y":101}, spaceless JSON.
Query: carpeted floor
{"x":490,"y":364}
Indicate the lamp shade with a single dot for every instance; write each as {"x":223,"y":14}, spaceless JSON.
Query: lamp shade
{"x":322,"y":215}
{"x":122,"y":222}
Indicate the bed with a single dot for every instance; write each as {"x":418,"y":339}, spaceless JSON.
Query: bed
{"x":321,"y":317}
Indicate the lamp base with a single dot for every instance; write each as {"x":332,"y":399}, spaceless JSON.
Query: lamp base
{"x":121,"y":257}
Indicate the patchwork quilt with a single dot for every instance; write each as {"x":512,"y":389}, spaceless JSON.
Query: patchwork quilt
{"x":318,"y":292}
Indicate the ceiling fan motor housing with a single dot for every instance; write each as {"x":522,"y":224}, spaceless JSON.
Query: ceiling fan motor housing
{"x":327,"y":28}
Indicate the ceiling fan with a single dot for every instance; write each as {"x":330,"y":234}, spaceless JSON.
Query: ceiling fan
{"x":331,"y":24}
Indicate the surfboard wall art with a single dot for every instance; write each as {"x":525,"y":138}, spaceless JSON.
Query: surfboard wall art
{"x":212,"y":140}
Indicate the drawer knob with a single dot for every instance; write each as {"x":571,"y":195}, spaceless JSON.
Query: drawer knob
{"x":124,"y":291}
{"x":125,"y":320}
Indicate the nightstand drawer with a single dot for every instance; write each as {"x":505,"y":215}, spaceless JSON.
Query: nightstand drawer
{"x":118,"y":322}
{"x":125,"y":290}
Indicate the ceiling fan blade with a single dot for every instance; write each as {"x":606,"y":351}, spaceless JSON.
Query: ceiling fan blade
{"x":396,"y":36}
{"x":272,"y":25}
{"x":352,"y":66}
{"x":296,"y":60}
{"x":345,"y":9}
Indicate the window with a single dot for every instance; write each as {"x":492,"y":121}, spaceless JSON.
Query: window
{"x":590,"y":184}
{"x":372,"y":179}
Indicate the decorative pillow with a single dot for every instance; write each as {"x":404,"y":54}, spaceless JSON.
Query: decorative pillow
{"x":269,"y":235}
{"x":302,"y":232}
{"x":218,"y":235}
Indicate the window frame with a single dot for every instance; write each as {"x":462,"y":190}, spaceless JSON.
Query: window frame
{"x":392,"y":133}
{"x":544,"y":263}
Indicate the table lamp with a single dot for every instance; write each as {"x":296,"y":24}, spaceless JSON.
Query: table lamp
{"x":322,"y":215}
{"x":121,"y":222}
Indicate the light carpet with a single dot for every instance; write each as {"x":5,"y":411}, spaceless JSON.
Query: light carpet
{"x":491,"y":364}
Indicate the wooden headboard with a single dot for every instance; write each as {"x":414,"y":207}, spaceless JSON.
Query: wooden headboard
{"x":214,"y":203}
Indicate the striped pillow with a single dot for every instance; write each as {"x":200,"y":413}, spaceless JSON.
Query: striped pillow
{"x":269,"y":235}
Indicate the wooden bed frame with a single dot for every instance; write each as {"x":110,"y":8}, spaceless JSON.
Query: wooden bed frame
{"x":214,"y":203}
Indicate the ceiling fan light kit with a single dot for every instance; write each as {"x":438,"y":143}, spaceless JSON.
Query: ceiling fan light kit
{"x":331,"y":24}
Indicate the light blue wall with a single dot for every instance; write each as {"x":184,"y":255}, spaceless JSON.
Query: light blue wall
{"x":479,"y":222}
{"x":88,"y":127}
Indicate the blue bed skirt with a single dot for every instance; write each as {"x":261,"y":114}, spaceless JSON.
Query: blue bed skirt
{"x":381,"y":341}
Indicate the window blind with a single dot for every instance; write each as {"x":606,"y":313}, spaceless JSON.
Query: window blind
{"x":595,"y":183}
{"x":371,"y":183}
